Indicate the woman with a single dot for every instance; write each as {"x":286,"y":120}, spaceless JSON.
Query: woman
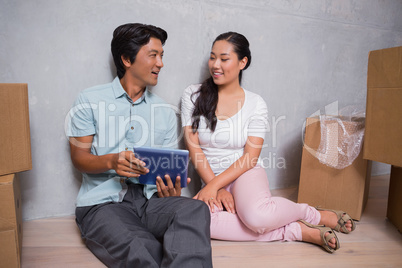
{"x":224,"y":127}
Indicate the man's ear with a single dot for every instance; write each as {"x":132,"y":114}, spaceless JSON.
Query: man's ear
{"x":126,"y":61}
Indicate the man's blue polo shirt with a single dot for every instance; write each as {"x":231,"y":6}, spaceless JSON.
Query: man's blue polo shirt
{"x":118,"y":124}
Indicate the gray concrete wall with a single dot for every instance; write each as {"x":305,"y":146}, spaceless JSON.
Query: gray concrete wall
{"x":307,"y":56}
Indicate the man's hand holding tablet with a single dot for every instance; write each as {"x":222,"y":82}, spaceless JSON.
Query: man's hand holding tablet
{"x":162,"y":162}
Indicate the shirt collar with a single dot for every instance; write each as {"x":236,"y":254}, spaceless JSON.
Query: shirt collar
{"x":119,"y":92}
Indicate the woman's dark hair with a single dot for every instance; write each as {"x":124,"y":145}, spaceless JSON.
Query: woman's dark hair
{"x":128,"y":40}
{"x":205,"y":104}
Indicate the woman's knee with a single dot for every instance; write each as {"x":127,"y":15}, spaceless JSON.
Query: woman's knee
{"x":258,"y":220}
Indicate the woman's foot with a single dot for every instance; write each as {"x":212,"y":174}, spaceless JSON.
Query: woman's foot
{"x":319,"y":235}
{"x":338,"y":220}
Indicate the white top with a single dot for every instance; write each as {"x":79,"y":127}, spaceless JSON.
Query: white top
{"x":226,"y":144}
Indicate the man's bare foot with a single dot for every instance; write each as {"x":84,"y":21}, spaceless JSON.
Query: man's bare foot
{"x":312,"y":234}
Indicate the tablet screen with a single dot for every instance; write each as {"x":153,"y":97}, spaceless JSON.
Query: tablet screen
{"x":162,"y":161}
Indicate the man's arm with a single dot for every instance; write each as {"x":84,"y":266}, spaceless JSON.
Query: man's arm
{"x":124,"y":163}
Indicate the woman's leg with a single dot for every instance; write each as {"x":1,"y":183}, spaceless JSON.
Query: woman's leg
{"x":228,"y":226}
{"x":260,"y":217}
{"x":261,"y":212}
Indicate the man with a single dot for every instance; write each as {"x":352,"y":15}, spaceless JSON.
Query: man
{"x":124,"y":223}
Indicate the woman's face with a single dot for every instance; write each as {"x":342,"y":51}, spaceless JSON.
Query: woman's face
{"x":224,"y":64}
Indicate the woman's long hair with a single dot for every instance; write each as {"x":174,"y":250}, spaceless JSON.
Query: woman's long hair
{"x":207,"y":100}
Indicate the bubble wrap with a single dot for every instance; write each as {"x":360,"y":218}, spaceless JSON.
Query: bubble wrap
{"x":341,"y":140}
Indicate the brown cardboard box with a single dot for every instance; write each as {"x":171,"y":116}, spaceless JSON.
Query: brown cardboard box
{"x":10,"y":221}
{"x":8,"y":249}
{"x":320,"y":185}
{"x":383,"y":133}
{"x":394,"y":210}
{"x":15,"y":143}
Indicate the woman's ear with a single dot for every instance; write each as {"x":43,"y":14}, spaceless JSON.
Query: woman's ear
{"x":243,"y":63}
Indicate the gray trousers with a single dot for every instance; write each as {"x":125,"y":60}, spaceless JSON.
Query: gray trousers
{"x":159,"y":232}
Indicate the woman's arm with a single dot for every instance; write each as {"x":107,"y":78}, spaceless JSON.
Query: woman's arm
{"x":197,"y":156}
{"x":246,"y":162}
{"x":214,"y":184}
{"x":203,"y":169}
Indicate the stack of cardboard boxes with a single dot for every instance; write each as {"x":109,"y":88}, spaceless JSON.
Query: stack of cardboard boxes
{"x":383,"y":134}
{"x":15,"y":156}
{"x":347,"y":189}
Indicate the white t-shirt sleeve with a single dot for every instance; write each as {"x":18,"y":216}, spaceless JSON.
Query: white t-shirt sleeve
{"x":258,"y":122}
{"x":187,"y":105}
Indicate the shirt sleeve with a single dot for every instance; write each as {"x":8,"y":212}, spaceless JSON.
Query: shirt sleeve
{"x":258,"y":122}
{"x":187,"y":106}
{"x":80,"y":119}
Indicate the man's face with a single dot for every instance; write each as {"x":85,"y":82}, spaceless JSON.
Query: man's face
{"x":147,"y":65}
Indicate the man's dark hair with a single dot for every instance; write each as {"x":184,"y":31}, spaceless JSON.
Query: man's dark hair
{"x":128,"y":40}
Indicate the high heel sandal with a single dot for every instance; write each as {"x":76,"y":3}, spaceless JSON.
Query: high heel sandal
{"x":324,"y":239}
{"x":343,"y":218}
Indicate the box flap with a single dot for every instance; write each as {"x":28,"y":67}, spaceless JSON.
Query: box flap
{"x":385,"y":68}
{"x":15,"y":143}
{"x":8,"y":209}
{"x":383,"y":134}
{"x":7,"y":179}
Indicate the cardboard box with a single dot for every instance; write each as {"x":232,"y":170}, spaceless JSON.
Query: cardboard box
{"x":10,"y":221}
{"x":15,"y":142}
{"x":394,"y":209}
{"x":8,"y":249}
{"x":320,"y":185}
{"x":383,"y":133}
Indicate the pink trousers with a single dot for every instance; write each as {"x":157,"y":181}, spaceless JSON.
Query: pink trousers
{"x":260,"y":216}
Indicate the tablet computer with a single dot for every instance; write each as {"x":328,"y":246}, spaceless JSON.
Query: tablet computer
{"x":162,"y":161}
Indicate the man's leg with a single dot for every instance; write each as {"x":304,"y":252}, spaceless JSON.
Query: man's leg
{"x":184,"y":226}
{"x":115,"y":234}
